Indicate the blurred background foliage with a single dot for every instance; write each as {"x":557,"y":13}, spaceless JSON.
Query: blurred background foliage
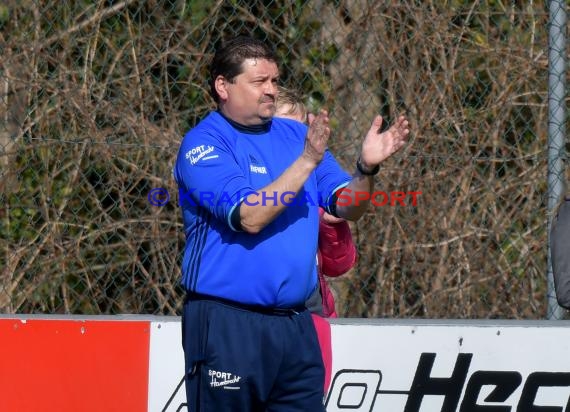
{"x":96,"y":95}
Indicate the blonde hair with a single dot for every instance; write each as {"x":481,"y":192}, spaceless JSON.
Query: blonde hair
{"x":291,"y":98}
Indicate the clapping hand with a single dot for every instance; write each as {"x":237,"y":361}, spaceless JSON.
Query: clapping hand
{"x":378,"y":146}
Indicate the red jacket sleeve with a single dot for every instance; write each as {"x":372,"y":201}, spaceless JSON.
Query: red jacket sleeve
{"x":336,"y":247}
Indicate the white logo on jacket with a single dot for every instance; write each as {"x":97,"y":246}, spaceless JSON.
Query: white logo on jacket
{"x":199,"y":153}
{"x":258,"y":169}
{"x":224,"y":379}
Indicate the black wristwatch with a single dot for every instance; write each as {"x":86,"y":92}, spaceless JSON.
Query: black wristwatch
{"x":366,"y":172}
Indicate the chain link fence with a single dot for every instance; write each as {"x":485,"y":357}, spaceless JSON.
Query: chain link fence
{"x":95,"y":96}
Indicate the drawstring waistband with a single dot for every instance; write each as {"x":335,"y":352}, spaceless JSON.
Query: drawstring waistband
{"x":252,"y":308}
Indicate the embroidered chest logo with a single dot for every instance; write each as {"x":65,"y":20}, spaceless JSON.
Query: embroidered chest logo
{"x":254,"y":166}
{"x":200,"y":153}
{"x":226,"y":380}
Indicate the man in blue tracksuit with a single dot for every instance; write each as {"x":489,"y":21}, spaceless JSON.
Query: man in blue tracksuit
{"x":250,"y":188}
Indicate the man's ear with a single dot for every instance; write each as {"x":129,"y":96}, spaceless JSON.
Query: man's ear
{"x":221,"y":87}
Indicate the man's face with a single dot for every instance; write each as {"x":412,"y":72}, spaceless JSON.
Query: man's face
{"x":250,"y":98}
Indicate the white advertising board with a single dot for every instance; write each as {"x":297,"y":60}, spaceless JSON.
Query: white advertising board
{"x":461,"y":366}
{"x":166,"y":391}
{"x":415,"y":366}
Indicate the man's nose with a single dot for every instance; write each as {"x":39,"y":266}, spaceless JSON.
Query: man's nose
{"x":271,"y":89}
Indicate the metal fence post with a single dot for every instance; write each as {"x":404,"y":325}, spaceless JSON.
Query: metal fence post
{"x":556,"y":128}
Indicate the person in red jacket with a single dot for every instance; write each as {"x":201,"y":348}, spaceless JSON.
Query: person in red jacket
{"x":336,"y":256}
{"x":336,"y":252}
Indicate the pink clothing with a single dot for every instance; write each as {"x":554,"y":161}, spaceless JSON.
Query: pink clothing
{"x":336,"y":256}
{"x":323,"y":329}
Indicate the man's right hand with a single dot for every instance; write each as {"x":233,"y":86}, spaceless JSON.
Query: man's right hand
{"x":317,"y":137}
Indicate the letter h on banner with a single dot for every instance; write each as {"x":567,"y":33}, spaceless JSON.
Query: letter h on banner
{"x":423,"y":384}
